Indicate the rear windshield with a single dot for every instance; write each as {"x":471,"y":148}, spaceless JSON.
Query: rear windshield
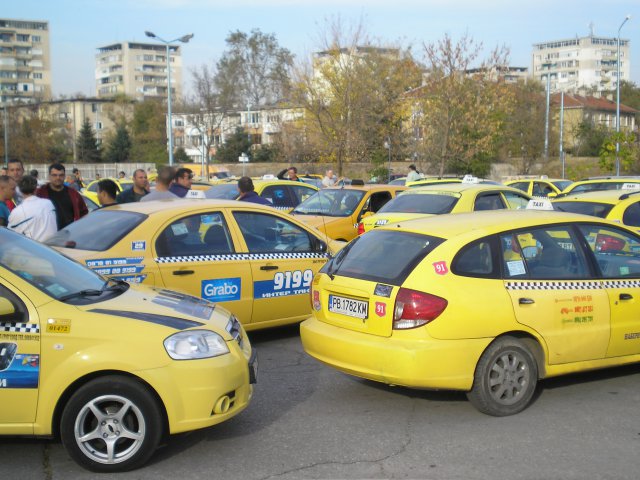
{"x":333,"y":202}
{"x":435,"y":203}
{"x":369,"y":257}
{"x":98,"y":231}
{"x":586,"y":208}
{"x":589,"y":187}
{"x":562,"y":184}
{"x":225,"y":191}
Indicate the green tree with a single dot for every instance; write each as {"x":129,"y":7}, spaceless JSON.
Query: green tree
{"x":119,"y":146}
{"x":267,"y":153}
{"x":149,"y":133}
{"x":589,"y":138}
{"x":236,"y":144}
{"x":180,"y":156}
{"x":627,"y":153}
{"x":87,"y":147}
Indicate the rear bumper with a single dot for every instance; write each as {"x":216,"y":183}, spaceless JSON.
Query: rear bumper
{"x":405,"y":358}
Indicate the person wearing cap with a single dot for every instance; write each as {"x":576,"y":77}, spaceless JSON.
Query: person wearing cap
{"x":248,"y":193}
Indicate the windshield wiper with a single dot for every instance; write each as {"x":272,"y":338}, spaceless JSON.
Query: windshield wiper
{"x":120,"y":285}
{"x":89,"y":292}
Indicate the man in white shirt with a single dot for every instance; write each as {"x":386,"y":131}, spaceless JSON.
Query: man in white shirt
{"x":35,"y":217}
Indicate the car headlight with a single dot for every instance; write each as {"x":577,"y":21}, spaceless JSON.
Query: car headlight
{"x":194,"y":344}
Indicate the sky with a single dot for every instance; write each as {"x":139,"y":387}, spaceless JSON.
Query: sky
{"x":79,"y":27}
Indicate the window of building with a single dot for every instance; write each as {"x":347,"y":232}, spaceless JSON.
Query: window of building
{"x":22,"y":37}
{"x":37,"y":75}
{"x":36,"y":38}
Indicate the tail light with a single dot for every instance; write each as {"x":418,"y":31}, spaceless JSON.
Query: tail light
{"x":360,"y":228}
{"x":315,"y":299}
{"x":606,"y":243}
{"x":414,"y":309}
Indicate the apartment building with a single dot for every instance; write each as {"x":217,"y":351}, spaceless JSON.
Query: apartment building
{"x":581,"y":62}
{"x":25,"y":68}
{"x":138,"y":70}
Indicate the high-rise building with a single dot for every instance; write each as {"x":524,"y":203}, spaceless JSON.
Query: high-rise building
{"x":138,"y":70}
{"x":25,"y":71}
{"x":578,"y":63}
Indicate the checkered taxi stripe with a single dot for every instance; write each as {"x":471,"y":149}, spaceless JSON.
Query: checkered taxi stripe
{"x":239,"y":256}
{"x":572,"y":285}
{"x":19,"y":327}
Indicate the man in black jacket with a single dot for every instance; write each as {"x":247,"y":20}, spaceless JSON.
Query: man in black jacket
{"x":140,"y":188}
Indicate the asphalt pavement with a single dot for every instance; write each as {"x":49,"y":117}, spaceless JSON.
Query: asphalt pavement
{"x":307,"y":421}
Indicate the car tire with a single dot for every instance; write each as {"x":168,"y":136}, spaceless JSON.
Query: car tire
{"x":111,"y":424}
{"x":505,"y":378}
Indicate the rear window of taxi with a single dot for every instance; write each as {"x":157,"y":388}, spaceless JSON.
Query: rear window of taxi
{"x":436,"y":203}
{"x":586,"y":208}
{"x":98,"y":231}
{"x":368,"y":257}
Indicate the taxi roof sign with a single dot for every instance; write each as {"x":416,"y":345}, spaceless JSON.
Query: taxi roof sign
{"x":470,"y":179}
{"x":539,"y":204}
{"x":630,"y":186}
{"x":195,"y":194}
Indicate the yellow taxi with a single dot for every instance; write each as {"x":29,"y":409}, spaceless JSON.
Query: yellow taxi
{"x":445,"y":198}
{"x":338,"y":211}
{"x":423,"y":182}
{"x":487,"y":303}
{"x":252,"y":259}
{"x":285,"y":195}
{"x":91,"y":191}
{"x":110,"y":367}
{"x":620,"y":206}
{"x":540,"y":187}
{"x":599,"y":183}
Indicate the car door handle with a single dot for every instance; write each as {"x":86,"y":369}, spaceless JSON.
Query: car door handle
{"x":183,"y":272}
{"x":526,"y":301}
{"x":625,"y":296}
{"x":269,"y":267}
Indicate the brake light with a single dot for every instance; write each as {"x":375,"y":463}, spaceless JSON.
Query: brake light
{"x":315,"y":300}
{"x":360,"y":228}
{"x":414,"y":309}
{"x":606,"y":243}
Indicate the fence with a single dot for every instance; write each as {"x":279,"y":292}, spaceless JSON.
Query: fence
{"x":90,"y":171}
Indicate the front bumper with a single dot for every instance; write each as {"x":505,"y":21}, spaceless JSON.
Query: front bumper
{"x":409,"y":358}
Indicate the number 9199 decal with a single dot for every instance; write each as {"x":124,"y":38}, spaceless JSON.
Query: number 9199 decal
{"x":294,"y":282}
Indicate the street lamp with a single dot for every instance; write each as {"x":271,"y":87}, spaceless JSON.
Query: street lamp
{"x":387,"y":145}
{"x":546,"y":116}
{"x":183,"y":39}
{"x":6,"y":137}
{"x":618,"y":100}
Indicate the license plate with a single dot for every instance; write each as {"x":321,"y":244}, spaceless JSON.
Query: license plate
{"x":348,"y":306}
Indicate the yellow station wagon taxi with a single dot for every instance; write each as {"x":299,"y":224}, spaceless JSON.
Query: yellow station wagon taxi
{"x":540,"y":187}
{"x":621,"y":206}
{"x":486,"y":302}
{"x":601,"y":183}
{"x":338,"y":211}
{"x":441,"y":199}
{"x":254,"y":260}
{"x":110,"y":367}
{"x":285,"y":195}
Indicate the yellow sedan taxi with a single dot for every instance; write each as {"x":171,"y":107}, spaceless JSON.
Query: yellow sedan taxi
{"x":487,"y":303}
{"x":338,"y":211}
{"x":252,"y":259}
{"x":110,"y":367}
{"x":285,"y":195}
{"x":448,"y":198}
{"x":540,"y":187}
{"x":620,"y":206}
{"x":599,"y":183}
{"x":91,"y":191}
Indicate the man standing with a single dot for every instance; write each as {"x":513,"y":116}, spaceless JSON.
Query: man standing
{"x":413,"y":174}
{"x":15,"y":170}
{"x":140,"y":188}
{"x":248,"y":194}
{"x":7,"y":187}
{"x":328,"y":180}
{"x":107,"y":192}
{"x":163,"y":184}
{"x":182,"y":182}
{"x":77,"y":178}
{"x":292,"y":173}
{"x":34,"y":217}
{"x":69,"y":204}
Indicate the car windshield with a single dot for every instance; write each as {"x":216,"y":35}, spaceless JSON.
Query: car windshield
{"x":48,"y":270}
{"x":435,"y":203}
{"x":98,"y":231}
{"x":367,"y":257}
{"x":331,"y":202}
{"x":589,"y":187}
{"x":562,"y":184}
{"x":586,"y":208}
{"x":224,"y":191}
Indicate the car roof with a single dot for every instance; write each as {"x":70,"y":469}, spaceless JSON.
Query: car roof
{"x":462,"y":187}
{"x":485,"y":222}
{"x":369,"y":187}
{"x":172,"y":205}
{"x":537,"y":179}
{"x":600,"y":196}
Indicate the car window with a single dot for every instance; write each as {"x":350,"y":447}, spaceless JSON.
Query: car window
{"x":617,"y":252}
{"x":488,"y":201}
{"x":264,"y":233}
{"x":278,"y":195}
{"x":200,"y":234}
{"x":631,"y":215}
{"x":224,"y":191}
{"x":93,"y":187}
{"x":475,"y":260}
{"x":562,"y":184}
{"x":524,"y":186}
{"x":377,"y":200}
{"x":334,"y":202}
{"x":541,"y":189}
{"x":301,"y":192}
{"x":545,"y":253}
{"x":515,"y":200}
{"x":112,"y":225}
{"x":435,"y":203}
{"x":585,"y":208}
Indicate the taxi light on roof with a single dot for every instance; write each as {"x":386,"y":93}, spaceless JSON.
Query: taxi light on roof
{"x":631,"y":186}
{"x":414,"y":309}
{"x":470,"y":179}
{"x":195,"y":194}
{"x":539,"y":204}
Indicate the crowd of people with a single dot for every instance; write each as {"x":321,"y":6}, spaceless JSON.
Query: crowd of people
{"x":39,"y":209}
